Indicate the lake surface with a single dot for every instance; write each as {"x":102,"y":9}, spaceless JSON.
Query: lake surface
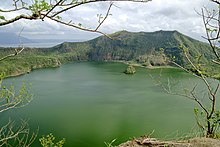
{"x":92,"y":103}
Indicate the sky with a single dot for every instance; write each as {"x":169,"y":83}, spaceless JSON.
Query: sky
{"x":151,"y":16}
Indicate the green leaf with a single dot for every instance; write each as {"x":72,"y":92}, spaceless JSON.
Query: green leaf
{"x":208,"y":29}
{"x":2,"y":18}
{"x":58,"y":17}
{"x":196,"y":111}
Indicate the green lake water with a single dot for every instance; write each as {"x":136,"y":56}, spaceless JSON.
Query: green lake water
{"x":90,"y":103}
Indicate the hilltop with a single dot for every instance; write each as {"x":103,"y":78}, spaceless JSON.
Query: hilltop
{"x":142,"y":47}
{"x":146,"y":48}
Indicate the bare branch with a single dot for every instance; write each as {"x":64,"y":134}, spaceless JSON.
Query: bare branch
{"x":17,"y":18}
{"x":12,"y":10}
{"x":217,"y":88}
{"x":77,"y":27}
{"x":215,"y":1}
{"x":184,"y":69}
{"x":107,"y":14}
{"x":73,"y":5}
{"x":216,"y":62}
{"x":17,"y":51}
{"x":52,"y":9}
{"x":206,"y":22}
{"x":19,"y":135}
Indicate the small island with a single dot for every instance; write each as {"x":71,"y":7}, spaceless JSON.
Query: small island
{"x":130,"y":70}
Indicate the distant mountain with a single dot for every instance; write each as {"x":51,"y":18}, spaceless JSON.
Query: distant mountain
{"x":139,"y":46}
{"x":146,"y":48}
{"x":58,"y":41}
{"x":12,"y":38}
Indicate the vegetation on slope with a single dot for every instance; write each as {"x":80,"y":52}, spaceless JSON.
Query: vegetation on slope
{"x":34,"y":58}
{"x":148,"y":49}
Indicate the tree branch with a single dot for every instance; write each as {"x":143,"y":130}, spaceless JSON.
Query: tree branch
{"x":215,"y":1}
{"x":19,"y":135}
{"x":216,"y":62}
{"x":73,"y":5}
{"x":208,"y":36}
{"x":12,"y":55}
{"x":77,"y":27}
{"x":13,"y":10}
{"x":6,"y":22}
{"x":107,"y":14}
{"x":52,"y":9}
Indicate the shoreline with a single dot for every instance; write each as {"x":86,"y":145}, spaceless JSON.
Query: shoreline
{"x":17,"y":74}
{"x":139,"y":65}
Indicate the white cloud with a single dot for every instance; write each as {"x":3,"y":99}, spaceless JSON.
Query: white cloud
{"x":132,"y":16}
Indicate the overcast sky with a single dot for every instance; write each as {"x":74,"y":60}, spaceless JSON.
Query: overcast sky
{"x":152,"y":16}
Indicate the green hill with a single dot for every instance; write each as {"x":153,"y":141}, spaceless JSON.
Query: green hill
{"x":146,"y":48}
{"x":138,"y":46}
{"x":133,"y":46}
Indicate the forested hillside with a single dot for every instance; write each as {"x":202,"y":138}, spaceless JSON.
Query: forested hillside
{"x":148,"y":49}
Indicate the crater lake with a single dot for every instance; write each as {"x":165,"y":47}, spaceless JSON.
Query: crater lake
{"x":89,"y":103}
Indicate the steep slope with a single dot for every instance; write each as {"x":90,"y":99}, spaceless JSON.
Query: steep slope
{"x":141,"y":46}
{"x":147,"y":48}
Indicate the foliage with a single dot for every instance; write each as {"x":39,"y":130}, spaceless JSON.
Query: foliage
{"x":31,"y":59}
{"x":110,"y":144}
{"x":130,"y":70}
{"x":11,"y":97}
{"x":11,"y":65}
{"x":207,"y":115}
{"x":133,"y":46}
{"x":144,"y":48}
{"x":52,"y":10}
{"x":203,"y":125}
{"x":209,"y":118}
{"x":48,"y":141}
{"x":39,"y":6}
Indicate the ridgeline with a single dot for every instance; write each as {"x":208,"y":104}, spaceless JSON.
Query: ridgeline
{"x":145,"y":48}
